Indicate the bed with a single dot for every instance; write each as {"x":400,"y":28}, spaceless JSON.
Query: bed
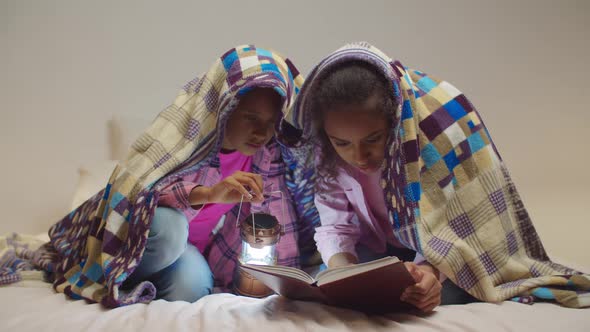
{"x":32,"y":305}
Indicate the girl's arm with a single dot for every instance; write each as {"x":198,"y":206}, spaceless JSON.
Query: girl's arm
{"x":184,"y":194}
{"x":176,"y":195}
{"x":339,"y":232}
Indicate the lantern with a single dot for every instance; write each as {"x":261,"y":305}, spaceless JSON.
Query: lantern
{"x":260,"y":232}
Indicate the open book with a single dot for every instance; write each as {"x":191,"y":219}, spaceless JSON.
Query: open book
{"x":373,"y":287}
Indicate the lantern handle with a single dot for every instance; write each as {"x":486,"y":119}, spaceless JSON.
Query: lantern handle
{"x":266,"y":195}
{"x":282,"y":202}
{"x":239,"y":211}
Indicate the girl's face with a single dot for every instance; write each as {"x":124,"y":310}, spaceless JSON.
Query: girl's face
{"x":358,"y":134}
{"x":251,"y":124}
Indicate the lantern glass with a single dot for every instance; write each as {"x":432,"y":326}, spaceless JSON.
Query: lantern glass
{"x":259,"y":256}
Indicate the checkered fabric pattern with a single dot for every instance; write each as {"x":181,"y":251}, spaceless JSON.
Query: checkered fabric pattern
{"x":20,"y":260}
{"x":449,"y":194}
{"x":100,"y":243}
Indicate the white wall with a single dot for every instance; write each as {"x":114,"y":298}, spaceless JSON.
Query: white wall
{"x":68,"y":66}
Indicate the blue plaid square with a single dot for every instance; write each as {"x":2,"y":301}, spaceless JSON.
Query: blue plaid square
{"x":476,"y":143}
{"x":406,"y":110}
{"x":229,"y":58}
{"x":451,"y":160}
{"x":264,"y":53}
{"x":430,"y":155}
{"x":462,"y":226}
{"x":426,"y":84}
{"x":455,"y":109}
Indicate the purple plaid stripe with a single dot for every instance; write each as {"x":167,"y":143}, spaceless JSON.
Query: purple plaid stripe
{"x":462,"y":100}
{"x":465,"y":151}
{"x":162,"y":160}
{"x":488,"y":264}
{"x":194,"y":127}
{"x":440,"y":246}
{"x":410,"y":150}
{"x":193,"y":85}
{"x":462,"y":226}
{"x":534,"y":272}
{"x":511,"y":243}
{"x":527,"y":232}
{"x":111,"y":244}
{"x":122,"y":207}
{"x":476,"y":128}
{"x":497,"y":199}
{"x":229,"y":252}
{"x":436,"y":123}
{"x":465,"y":278}
{"x":558,"y":267}
{"x":447,"y":179}
{"x":419,"y":93}
{"x":8,"y":276}
{"x":211,"y":100}
{"x":234,"y":75}
{"x":512,"y":284}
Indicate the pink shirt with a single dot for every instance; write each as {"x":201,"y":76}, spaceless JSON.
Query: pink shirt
{"x":203,"y":223}
{"x":225,"y":246}
{"x":204,"y":220}
{"x":353,"y":211}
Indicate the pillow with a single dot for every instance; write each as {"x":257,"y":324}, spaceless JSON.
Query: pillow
{"x":91,"y":179}
{"x":123,"y":130}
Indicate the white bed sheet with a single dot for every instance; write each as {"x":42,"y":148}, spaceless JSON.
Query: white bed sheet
{"x":34,"y":306}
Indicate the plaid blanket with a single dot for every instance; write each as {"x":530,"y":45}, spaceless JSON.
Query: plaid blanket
{"x":449,"y":194}
{"x":20,"y":259}
{"x":101,"y":242}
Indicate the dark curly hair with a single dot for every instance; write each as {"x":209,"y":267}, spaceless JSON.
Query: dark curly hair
{"x":349,"y":83}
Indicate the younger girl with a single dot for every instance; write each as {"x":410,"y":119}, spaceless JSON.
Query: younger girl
{"x":245,"y":162}
{"x":155,"y":231}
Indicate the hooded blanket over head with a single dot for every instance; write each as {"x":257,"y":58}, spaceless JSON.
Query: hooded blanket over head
{"x":98,"y":245}
{"x":448,"y":192}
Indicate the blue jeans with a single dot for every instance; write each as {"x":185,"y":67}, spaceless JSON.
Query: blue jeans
{"x":177,"y":268}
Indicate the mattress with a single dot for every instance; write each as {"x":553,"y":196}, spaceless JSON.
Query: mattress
{"x":34,"y":306}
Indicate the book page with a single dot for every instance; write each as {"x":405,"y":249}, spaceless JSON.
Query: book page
{"x":338,"y":273}
{"x":283,"y":271}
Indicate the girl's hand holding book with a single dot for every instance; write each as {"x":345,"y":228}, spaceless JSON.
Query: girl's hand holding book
{"x":426,"y":293}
